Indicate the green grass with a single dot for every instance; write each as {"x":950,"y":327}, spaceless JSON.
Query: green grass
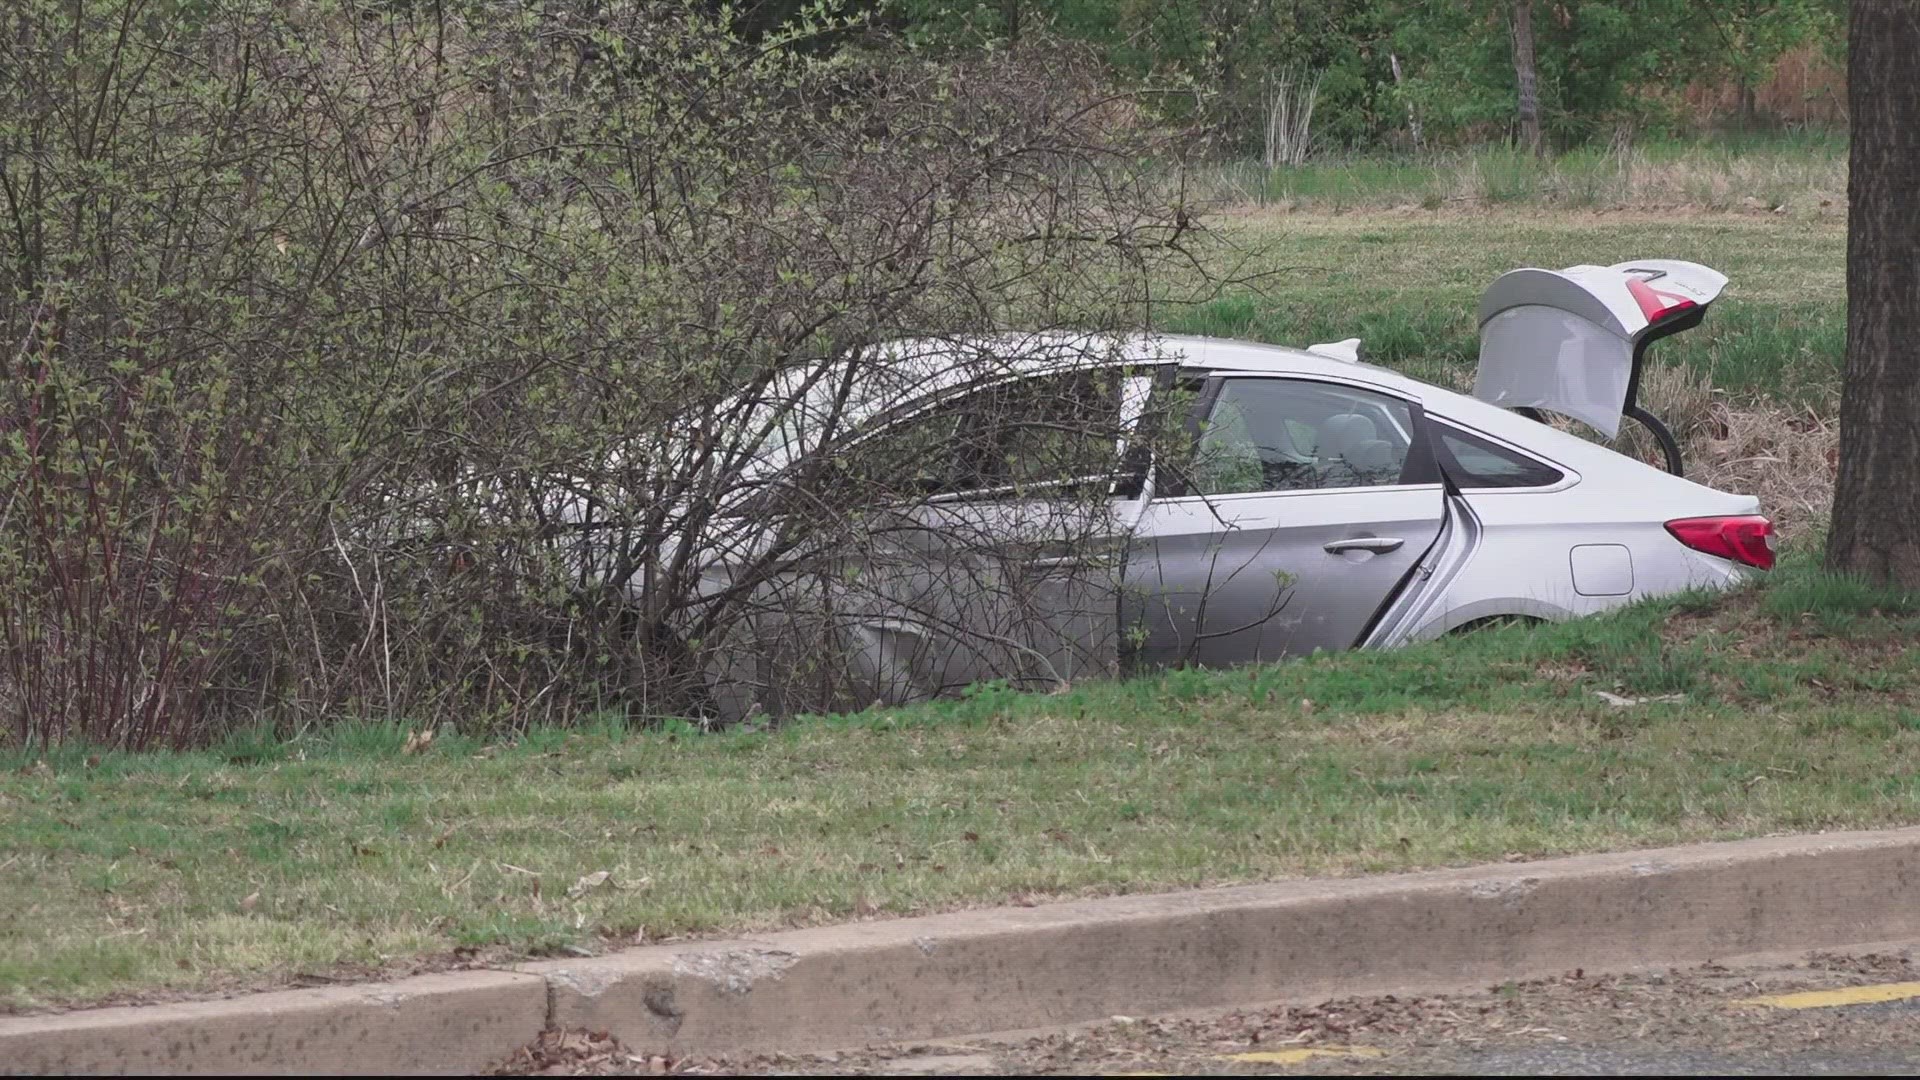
{"x":259,"y":861}
{"x":1806,"y":173}
{"x":1408,"y":283}
{"x":131,"y":874}
{"x":1840,"y":604}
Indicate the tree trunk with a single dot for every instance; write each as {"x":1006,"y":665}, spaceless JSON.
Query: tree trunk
{"x":1525,"y":75}
{"x":1413,"y":118}
{"x":1876,"y":500}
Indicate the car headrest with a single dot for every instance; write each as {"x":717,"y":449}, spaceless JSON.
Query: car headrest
{"x":1371,"y":456}
{"x":1342,"y":432}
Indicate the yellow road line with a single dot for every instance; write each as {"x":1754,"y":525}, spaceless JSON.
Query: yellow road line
{"x":1304,"y":1053}
{"x":1828,"y":999}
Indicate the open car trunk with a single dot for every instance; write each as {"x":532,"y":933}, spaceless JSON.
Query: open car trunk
{"x":1574,"y":341}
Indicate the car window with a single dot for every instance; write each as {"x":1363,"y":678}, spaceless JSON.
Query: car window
{"x":915,"y":457}
{"x":1474,"y":462}
{"x":1036,"y":431}
{"x":1293,"y":435}
{"x":1045,"y":430}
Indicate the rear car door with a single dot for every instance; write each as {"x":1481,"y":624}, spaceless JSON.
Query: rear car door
{"x":1008,"y":569}
{"x":1303,"y":509}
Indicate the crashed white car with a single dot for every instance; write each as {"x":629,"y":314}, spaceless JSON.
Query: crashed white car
{"x":1332,"y":504}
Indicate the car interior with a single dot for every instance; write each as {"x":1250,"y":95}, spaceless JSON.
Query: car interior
{"x":1289,"y":435}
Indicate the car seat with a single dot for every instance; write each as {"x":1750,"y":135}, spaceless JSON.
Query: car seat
{"x":1339,"y":435}
{"x":1373,"y":462}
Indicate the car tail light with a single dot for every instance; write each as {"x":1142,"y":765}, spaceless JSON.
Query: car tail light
{"x":1742,"y":539}
{"x":1654,"y":304}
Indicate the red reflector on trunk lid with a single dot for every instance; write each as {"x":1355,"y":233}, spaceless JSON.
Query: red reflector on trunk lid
{"x":1654,"y":304}
{"x":1742,"y":539}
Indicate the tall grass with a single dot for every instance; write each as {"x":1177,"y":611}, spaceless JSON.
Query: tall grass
{"x":1748,"y":352}
{"x":1799,"y":173}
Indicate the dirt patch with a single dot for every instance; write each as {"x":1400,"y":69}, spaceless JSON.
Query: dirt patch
{"x":579,"y":1053}
{"x":1734,"y":619}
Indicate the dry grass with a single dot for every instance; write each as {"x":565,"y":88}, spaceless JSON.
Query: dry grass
{"x":1785,"y":455}
{"x":1637,"y":179}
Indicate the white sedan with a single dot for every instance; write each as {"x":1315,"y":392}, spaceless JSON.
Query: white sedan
{"x":1328,"y":503}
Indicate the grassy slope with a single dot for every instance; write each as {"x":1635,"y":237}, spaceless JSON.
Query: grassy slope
{"x":1408,"y":283}
{"x":133,"y":873}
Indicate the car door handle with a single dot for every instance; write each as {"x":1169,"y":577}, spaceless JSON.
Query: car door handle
{"x":1379,"y":545}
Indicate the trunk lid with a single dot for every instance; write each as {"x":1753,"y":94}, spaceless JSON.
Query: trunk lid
{"x":1573,"y":341}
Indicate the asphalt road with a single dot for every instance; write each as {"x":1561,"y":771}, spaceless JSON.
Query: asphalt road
{"x":1751,"y":1020}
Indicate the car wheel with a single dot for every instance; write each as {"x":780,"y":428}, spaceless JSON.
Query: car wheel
{"x":1495,"y":622}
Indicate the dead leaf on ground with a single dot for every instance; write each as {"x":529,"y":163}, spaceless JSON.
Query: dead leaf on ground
{"x":1622,"y":702}
{"x":588,"y":883}
{"x":574,"y":1051}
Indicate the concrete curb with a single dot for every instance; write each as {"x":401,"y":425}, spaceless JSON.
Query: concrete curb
{"x":448,"y":1023}
{"x":977,"y":971}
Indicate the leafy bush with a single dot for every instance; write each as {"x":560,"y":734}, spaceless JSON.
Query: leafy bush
{"x":402,"y":360}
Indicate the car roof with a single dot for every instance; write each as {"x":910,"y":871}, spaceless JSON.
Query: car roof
{"x":905,"y":371}
{"x":924,"y":369}
{"x":1229,"y":354}
{"x":942,"y":364}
